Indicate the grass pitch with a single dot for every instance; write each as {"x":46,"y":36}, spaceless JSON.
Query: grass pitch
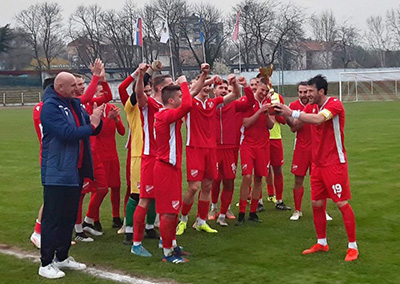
{"x":254,"y":253}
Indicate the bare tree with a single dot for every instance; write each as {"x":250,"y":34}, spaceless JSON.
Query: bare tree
{"x":41,"y":24}
{"x":347,"y":37}
{"x":378,"y":37}
{"x":393,"y":21}
{"x":5,"y":38}
{"x":324,"y":26}
{"x":152,"y":25}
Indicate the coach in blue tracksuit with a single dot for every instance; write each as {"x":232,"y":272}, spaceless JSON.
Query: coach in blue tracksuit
{"x":66,"y":160}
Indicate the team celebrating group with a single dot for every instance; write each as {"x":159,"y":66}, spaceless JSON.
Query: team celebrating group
{"x":218,"y":128}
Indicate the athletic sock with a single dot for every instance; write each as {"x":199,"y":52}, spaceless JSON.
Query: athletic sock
{"x":148,"y":226}
{"x":298,"y":197}
{"x":349,"y":222}
{"x":352,"y":245}
{"x":167,"y":230}
{"x":242,"y":206}
{"x":151,"y":213}
{"x":278,"y":182}
{"x":115,"y":201}
{"x":130,"y":210}
{"x":322,"y":242}
{"x":270,"y":189}
{"x":38,"y":227}
{"x":89,"y":220}
{"x":202,"y":209}
{"x":214,"y":206}
{"x":186,"y":208}
{"x":78,"y":228}
{"x":215,"y":189}
{"x":226,"y":199}
{"x":253,"y":205}
{"x":319,"y":221}
{"x":184,"y":218}
{"x":138,"y":220}
{"x":129,"y":230}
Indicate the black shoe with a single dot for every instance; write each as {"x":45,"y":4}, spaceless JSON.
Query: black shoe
{"x":151,"y":234}
{"x":260,"y":207}
{"x":282,"y":206}
{"x":89,"y":228}
{"x":254,"y":218}
{"x":116,"y":222}
{"x":98,"y":227}
{"x":128,"y":240}
{"x":240,"y":219}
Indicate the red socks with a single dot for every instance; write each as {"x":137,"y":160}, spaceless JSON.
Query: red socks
{"x":186,"y":208}
{"x":115,"y":200}
{"x":96,"y":198}
{"x":270,"y":189}
{"x":202,"y":209}
{"x":38,"y":227}
{"x":215,"y":189}
{"x":320,"y":221}
{"x":138,"y":223}
{"x":253,"y":205}
{"x":298,"y":197}
{"x":242,"y":206}
{"x":226,"y":199}
{"x":349,"y":221}
{"x":167,"y":229}
{"x":278,"y":182}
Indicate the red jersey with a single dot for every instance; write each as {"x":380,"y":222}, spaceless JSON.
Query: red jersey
{"x":227,"y":125}
{"x":167,"y":125}
{"x":328,"y":138}
{"x":257,"y":135}
{"x":38,"y":125}
{"x":200,"y":123}
{"x":105,"y":140}
{"x":303,"y":135}
{"x":147,"y":115}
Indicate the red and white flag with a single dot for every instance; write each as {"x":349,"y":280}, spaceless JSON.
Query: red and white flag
{"x":235,"y":34}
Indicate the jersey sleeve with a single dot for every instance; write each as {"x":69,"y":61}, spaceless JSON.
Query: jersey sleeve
{"x":122,"y":89}
{"x":247,"y":102}
{"x":218,"y":100}
{"x":90,"y":91}
{"x":332,"y":109}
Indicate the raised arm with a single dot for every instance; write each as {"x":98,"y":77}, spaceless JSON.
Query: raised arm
{"x":139,"y":87}
{"x":96,"y":69}
{"x":122,"y":89}
{"x":243,"y":105}
{"x":236,"y":90}
{"x":205,"y":70}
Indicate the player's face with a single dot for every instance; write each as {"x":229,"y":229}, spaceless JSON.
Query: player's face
{"x":253,"y":85}
{"x":302,"y":93}
{"x":206,"y":90}
{"x":314,"y":96}
{"x":176,"y":101}
{"x":262,"y":91}
{"x":99,"y":91}
{"x":192,"y":82}
{"x":80,"y":83}
{"x":221,"y":90}
{"x":147,"y":90}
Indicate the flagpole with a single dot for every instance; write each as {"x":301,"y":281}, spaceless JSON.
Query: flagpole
{"x":172,"y":60}
{"x":240,"y":59}
{"x":204,"y":53}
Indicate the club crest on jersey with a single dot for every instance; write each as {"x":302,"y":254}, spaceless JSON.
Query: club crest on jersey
{"x":294,"y":167}
{"x":313,"y":110}
{"x":244,"y":167}
{"x":175,"y":204}
{"x":194,"y":173}
{"x":233,"y":166}
{"x":149,"y":188}
{"x":210,"y":104}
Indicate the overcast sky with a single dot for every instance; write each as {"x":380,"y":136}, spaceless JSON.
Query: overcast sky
{"x":356,"y":11}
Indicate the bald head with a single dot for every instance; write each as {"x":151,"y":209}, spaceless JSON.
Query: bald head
{"x":65,"y":85}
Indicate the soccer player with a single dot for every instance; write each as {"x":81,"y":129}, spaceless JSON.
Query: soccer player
{"x":135,"y":146}
{"x":302,"y":152}
{"x":201,"y":156}
{"x":254,"y":151}
{"x":275,"y":177}
{"x":107,"y":149}
{"x":167,"y":170}
{"x":329,"y":174}
{"x":253,"y":84}
{"x":228,"y":141}
{"x":149,"y":106}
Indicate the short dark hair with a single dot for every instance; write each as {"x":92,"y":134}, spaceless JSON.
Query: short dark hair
{"x":258,"y":75}
{"x":77,"y":75}
{"x":302,"y":83}
{"x":319,"y":82}
{"x":47,"y":82}
{"x":169,"y":92}
{"x":264,"y":81}
{"x":159,"y":80}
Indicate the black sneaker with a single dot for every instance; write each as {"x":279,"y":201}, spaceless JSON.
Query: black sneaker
{"x":240,"y":220}
{"x":128,"y":240}
{"x":151,"y":234}
{"x":98,"y":227}
{"x":254,"y":218}
{"x":260,"y":207}
{"x":89,"y":228}
{"x":82,"y":237}
{"x":282,"y":206}
{"x":116,"y":222}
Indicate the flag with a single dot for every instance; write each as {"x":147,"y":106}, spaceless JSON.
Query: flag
{"x":138,"y":39}
{"x":201,"y":31}
{"x":235,"y":34}
{"x":164,"y":37}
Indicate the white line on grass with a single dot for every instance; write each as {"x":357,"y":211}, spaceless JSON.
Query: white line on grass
{"x":92,"y":271}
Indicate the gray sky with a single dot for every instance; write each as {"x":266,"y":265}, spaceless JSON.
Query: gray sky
{"x":356,"y":11}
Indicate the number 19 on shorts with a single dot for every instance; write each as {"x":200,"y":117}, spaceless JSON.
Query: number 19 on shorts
{"x":337,"y":189}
